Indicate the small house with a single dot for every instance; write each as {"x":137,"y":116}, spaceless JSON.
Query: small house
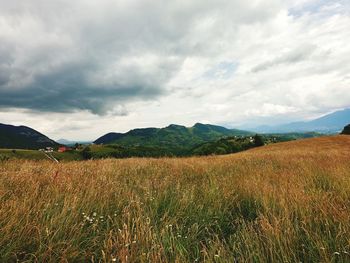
{"x":49,"y":149}
{"x":63,"y":149}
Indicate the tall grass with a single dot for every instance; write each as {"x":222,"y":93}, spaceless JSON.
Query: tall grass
{"x":283,"y":203}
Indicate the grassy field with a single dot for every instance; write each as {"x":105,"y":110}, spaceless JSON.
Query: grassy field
{"x":37,"y":155}
{"x":287,"y":202}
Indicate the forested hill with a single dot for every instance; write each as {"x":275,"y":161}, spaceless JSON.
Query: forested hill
{"x":22,"y":137}
{"x":172,"y":136}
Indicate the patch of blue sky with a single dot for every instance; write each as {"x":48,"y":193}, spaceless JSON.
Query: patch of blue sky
{"x":223,"y":70}
{"x":323,"y":8}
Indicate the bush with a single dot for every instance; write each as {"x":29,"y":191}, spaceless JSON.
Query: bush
{"x":258,"y":140}
{"x":346,"y":130}
{"x":86,"y":153}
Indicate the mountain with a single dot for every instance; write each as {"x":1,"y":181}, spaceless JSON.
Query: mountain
{"x":22,"y":137}
{"x":330,"y":123}
{"x":174,"y":136}
{"x":69,"y":143}
{"x":64,"y":141}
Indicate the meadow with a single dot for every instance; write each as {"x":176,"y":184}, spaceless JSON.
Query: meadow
{"x":36,"y":155}
{"x":285,"y":202}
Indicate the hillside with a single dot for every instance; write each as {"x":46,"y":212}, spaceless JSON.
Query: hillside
{"x":326,"y":145}
{"x":285,"y":202}
{"x":236,"y":144}
{"x":176,"y":138}
{"x":330,"y":123}
{"x":22,"y":137}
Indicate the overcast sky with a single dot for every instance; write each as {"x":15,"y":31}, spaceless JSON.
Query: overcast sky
{"x":78,"y":69}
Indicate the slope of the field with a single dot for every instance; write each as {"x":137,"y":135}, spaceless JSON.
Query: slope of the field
{"x":339,"y":144}
{"x":286,"y":202}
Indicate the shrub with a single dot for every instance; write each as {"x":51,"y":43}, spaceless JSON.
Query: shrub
{"x":346,"y":130}
{"x":258,"y":140}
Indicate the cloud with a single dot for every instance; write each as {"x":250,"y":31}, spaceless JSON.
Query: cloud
{"x":301,"y":53}
{"x":62,"y":56}
{"x":270,"y":109}
{"x":149,"y":62}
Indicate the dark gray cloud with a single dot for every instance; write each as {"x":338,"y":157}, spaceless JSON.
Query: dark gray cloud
{"x":61,"y":56}
{"x":71,"y":86}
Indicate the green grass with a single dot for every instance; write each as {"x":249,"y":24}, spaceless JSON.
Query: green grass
{"x":37,"y":155}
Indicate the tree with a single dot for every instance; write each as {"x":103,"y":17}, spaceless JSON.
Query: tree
{"x":346,"y":130}
{"x":86,"y":153}
{"x":258,"y":140}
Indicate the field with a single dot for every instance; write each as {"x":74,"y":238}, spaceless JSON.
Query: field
{"x":286,"y":202}
{"x":37,"y":155}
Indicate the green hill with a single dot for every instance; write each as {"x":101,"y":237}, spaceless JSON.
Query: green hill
{"x":22,"y":137}
{"x":224,"y":146}
{"x":236,"y":144}
{"x":175,"y":138}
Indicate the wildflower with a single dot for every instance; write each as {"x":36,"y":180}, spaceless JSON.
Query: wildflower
{"x":94,"y":214}
{"x":114,"y":259}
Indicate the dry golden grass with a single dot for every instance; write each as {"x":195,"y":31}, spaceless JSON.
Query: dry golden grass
{"x":287,"y":202}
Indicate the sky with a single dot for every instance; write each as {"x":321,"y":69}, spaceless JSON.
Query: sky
{"x":79,"y":69}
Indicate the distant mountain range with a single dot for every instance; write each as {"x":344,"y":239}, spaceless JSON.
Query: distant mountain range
{"x":173,"y":136}
{"x":22,"y":137}
{"x":331,"y":123}
{"x":69,"y":143}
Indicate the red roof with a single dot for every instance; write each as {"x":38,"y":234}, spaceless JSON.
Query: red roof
{"x":63,"y":148}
